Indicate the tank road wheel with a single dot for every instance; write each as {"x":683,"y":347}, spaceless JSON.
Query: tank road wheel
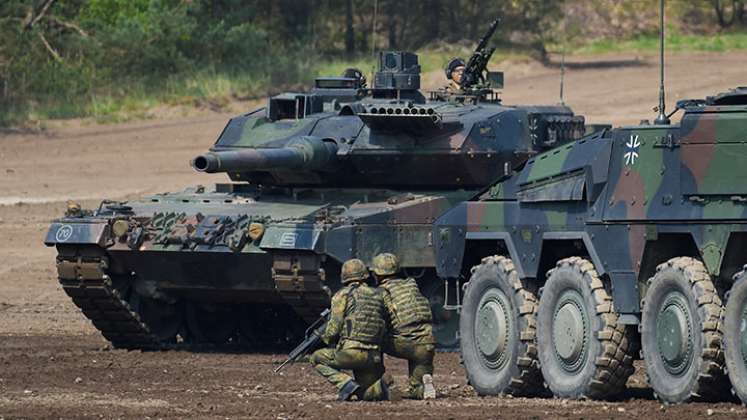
{"x":165,"y":320}
{"x":497,"y":330}
{"x":680,"y":332}
{"x":209,"y":323}
{"x":583,"y":351}
{"x":735,"y":335}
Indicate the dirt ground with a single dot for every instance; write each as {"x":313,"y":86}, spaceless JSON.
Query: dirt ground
{"x":54,"y":364}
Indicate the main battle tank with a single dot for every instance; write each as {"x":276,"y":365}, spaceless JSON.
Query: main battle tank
{"x":318,"y":177}
{"x":633,"y":238}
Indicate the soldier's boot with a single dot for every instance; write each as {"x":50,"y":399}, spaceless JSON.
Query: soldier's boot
{"x":389,"y":390}
{"x":429,"y":391}
{"x":347,"y":390}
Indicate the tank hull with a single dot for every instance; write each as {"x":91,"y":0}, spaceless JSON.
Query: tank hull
{"x":193,"y":252}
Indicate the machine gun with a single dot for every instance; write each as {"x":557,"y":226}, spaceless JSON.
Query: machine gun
{"x":313,"y":337}
{"x":474,"y":71}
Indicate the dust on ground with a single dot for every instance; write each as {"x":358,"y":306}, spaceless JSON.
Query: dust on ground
{"x":53,"y":363}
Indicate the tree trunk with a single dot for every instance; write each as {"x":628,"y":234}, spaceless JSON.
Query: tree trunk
{"x":349,"y":32}
{"x":720,"y":8}
{"x":474,"y":21}
{"x":435,"y":32}
{"x":452,"y":34}
{"x":391,"y":16}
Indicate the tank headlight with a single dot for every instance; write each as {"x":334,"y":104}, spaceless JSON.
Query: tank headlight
{"x":120,"y":228}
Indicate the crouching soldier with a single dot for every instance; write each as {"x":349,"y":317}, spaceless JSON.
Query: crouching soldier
{"x":410,"y":329}
{"x":355,"y":329}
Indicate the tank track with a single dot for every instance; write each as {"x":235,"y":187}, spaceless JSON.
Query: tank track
{"x":85,"y":280}
{"x":84,"y":277}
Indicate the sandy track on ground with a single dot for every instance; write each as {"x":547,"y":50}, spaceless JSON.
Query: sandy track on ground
{"x":51,"y":359}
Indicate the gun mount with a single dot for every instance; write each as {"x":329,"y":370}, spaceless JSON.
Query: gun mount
{"x":475,"y":72}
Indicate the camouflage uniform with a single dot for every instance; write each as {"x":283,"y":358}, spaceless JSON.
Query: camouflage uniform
{"x":410,"y":332}
{"x":356,"y":328}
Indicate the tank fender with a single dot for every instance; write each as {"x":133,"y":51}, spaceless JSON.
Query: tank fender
{"x":295,"y":238}
{"x":62,"y":233}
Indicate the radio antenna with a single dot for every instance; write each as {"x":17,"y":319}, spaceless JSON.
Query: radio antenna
{"x":562,"y":77}
{"x":373,"y":40}
{"x":373,"y":28}
{"x":662,"y":118}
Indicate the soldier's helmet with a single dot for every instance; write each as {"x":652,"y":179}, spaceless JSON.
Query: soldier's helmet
{"x":356,"y":74}
{"x":353,"y":270}
{"x":385,"y":264}
{"x":452,"y":65}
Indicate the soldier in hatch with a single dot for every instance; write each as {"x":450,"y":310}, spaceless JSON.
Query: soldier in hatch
{"x":354,"y":73}
{"x":355,"y":329}
{"x":409,"y":329}
{"x":454,"y":72}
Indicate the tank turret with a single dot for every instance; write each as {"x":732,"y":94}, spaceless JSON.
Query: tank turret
{"x":342,"y":134}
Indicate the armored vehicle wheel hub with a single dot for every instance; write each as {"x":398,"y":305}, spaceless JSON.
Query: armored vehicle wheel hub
{"x":493,"y":328}
{"x":674,"y":333}
{"x":570,"y":326}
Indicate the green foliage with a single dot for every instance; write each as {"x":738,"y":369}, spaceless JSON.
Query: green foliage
{"x":109,"y":58}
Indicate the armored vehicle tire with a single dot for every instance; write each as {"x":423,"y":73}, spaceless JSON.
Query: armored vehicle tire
{"x":497,"y":331}
{"x":583,"y":351}
{"x":211,"y":323}
{"x":735,"y":335}
{"x":680,"y":332}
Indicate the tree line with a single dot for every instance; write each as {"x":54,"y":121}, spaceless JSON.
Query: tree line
{"x":58,"y":50}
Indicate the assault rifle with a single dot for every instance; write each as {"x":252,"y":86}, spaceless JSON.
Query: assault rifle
{"x":313,"y":337}
{"x":474,"y":71}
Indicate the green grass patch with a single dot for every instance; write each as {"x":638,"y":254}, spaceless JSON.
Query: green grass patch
{"x":675,"y":42}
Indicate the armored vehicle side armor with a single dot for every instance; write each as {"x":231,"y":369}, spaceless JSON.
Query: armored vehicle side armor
{"x":633,"y":238}
{"x":318,"y":177}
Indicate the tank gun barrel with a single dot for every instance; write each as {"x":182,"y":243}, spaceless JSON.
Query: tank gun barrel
{"x":304,"y":153}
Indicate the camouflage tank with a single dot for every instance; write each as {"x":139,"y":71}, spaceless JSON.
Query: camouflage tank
{"x":632,"y":238}
{"x":318,"y":177}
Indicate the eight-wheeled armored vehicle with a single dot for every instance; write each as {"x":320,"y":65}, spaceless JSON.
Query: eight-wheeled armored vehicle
{"x":317,"y":177}
{"x":632,"y":238}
